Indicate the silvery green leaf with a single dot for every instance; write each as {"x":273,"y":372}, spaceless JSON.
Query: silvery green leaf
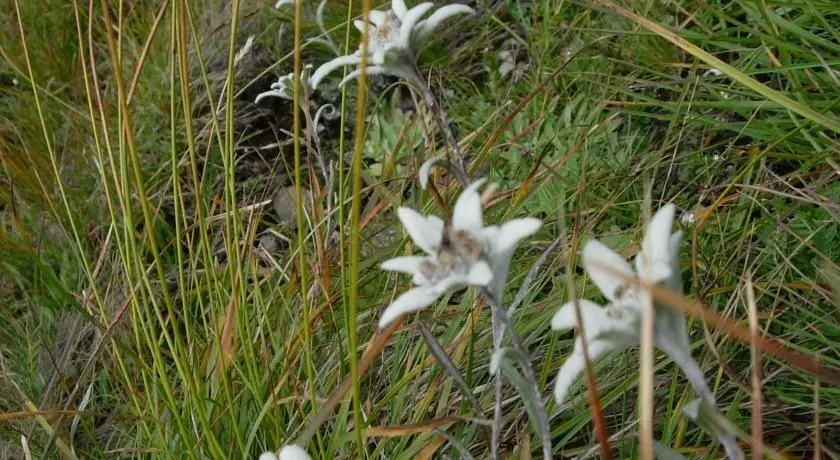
{"x":322,"y":41}
{"x":426,"y":27}
{"x":673,"y":347}
{"x":664,"y":452}
{"x":708,"y":418}
{"x":327,"y":112}
{"x":319,"y":17}
{"x":370,"y":70}
{"x":458,"y":445}
{"x":329,"y":66}
{"x":426,"y":169}
{"x":443,"y":358}
{"x":82,"y":406}
{"x":502,"y":360}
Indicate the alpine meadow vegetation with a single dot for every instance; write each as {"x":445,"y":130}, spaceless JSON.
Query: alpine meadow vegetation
{"x":298,"y":229}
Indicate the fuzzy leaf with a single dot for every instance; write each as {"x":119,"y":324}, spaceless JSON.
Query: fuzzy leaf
{"x":440,"y":355}
{"x":503,"y":360}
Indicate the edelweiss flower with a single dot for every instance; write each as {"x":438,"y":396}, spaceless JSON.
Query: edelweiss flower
{"x":511,"y":65}
{"x":288,"y":452}
{"x":396,"y":37}
{"x":618,"y":324}
{"x":284,"y":87}
{"x":465,"y":254}
{"x":688,"y":218}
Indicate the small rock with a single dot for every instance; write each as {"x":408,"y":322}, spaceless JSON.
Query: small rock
{"x":268,"y":242}
{"x":284,"y":205}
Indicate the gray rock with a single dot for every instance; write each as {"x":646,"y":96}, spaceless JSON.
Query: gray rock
{"x":284,"y":205}
{"x":268,"y":242}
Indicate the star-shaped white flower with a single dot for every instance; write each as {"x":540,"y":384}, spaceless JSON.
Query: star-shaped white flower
{"x":284,"y":87}
{"x":396,"y":37}
{"x":618,"y":324}
{"x":466,"y":254}
{"x":288,"y":452}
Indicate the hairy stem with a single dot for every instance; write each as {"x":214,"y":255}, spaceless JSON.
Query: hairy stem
{"x":500,"y":323}
{"x":495,"y":434}
{"x":694,"y":375}
{"x":440,"y":116}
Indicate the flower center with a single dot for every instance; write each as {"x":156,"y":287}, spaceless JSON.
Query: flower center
{"x":623,"y":291}
{"x":625,"y":295}
{"x":444,"y":265}
{"x":465,"y":245}
{"x":456,"y":256}
{"x":386,"y":33}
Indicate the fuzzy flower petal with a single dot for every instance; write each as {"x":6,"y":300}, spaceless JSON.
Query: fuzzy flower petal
{"x":480,"y":274}
{"x":293,"y":452}
{"x":590,"y":312}
{"x":424,"y":231}
{"x":405,"y":264}
{"x":284,"y":87}
{"x":372,"y":70}
{"x":674,"y":281}
{"x":412,"y":300}
{"x":328,"y":67}
{"x":408,"y":264}
{"x":514,"y":231}
{"x":600,"y":263}
{"x":377,"y":59}
{"x":429,"y":25}
{"x":270,"y":93}
{"x":376,"y":17}
{"x":399,"y":8}
{"x":503,"y":242}
{"x":655,"y":245}
{"x":575,"y":364}
{"x":598,"y":322}
{"x":412,"y":17}
{"x":468,"y":214}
